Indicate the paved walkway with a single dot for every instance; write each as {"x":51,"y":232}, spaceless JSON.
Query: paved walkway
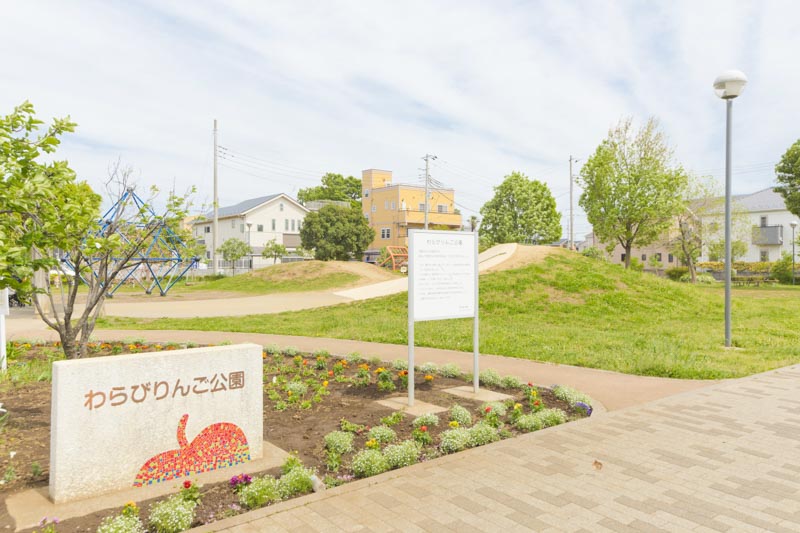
{"x":611,"y":389}
{"x":722,"y":458}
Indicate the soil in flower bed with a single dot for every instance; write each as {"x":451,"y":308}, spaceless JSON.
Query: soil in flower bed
{"x":296,"y":419}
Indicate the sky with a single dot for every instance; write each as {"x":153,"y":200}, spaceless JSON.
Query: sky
{"x":300,"y":88}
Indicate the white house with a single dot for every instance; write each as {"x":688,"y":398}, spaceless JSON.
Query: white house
{"x":768,"y":231}
{"x":256,"y":221}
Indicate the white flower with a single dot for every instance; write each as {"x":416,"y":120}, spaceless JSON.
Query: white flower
{"x":12,"y":454}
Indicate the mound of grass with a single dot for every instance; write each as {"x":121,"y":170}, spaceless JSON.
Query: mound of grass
{"x":567,"y":309}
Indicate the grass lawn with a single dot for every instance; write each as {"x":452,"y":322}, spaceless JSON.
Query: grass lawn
{"x":568,"y":309}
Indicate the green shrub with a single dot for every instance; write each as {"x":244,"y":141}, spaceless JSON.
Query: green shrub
{"x":498,"y":407}
{"x":449,"y":370}
{"x":782,"y":269}
{"x":295,"y":481}
{"x":353,"y":358}
{"x":511,"y":382}
{"x":454,"y":440}
{"x":570,"y":395}
{"x":551,"y":417}
{"x":706,"y":279}
{"x":121,"y":524}
{"x":291,"y":462}
{"x":368,"y":463}
{"x":594,"y":253}
{"x":339,"y":442}
{"x":393,"y":419}
{"x":172,"y":515}
{"x":461,"y":415}
{"x":481,"y":434}
{"x":382,"y":434}
{"x":291,"y":351}
{"x":272,"y":349}
{"x":375,"y":361}
{"x":261,"y":491}
{"x":400,"y":364}
{"x":676,"y":273}
{"x":428,"y":419}
{"x":636,"y":265}
{"x":429,"y":368}
{"x":489,"y":377}
{"x":403,"y":454}
{"x":322,"y":353}
{"x":528,"y":423}
{"x":297,"y":388}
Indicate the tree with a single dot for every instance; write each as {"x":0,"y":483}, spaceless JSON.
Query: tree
{"x":473,"y":223}
{"x":782,"y":268}
{"x":274,"y":250}
{"x":336,"y":232}
{"x":234,"y":249}
{"x":787,"y":172}
{"x":701,"y":202}
{"x":45,"y":212}
{"x":631,"y":191}
{"x":334,"y":187}
{"x":521,"y":210}
{"x":716,"y":249}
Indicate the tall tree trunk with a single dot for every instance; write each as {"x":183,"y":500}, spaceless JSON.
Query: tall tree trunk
{"x":628,"y":246}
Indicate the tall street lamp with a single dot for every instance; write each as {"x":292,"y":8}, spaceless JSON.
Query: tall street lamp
{"x":728,"y":86}
{"x":793,"y":224}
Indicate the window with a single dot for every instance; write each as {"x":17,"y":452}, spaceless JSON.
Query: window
{"x":393,"y":206}
{"x":386,"y":204}
{"x":441,"y":208}
{"x":293,"y":224}
{"x":374,"y":208}
{"x":273,"y":224}
{"x":366,"y":193}
{"x":764,"y":254}
{"x":299,"y":225}
{"x":670,"y":258}
{"x":207,"y":229}
{"x":285,"y":224}
{"x":233,"y":224}
{"x":763,"y":223}
{"x":280,"y":206}
{"x":260,"y":228}
{"x":622,"y":258}
{"x":644,"y":257}
{"x":422,"y":206}
{"x":208,"y":255}
{"x":386,"y":233}
{"x":658,"y":257}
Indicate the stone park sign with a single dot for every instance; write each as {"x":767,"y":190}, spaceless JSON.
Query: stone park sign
{"x":134,"y":420}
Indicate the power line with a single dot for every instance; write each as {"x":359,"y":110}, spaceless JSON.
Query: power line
{"x":257,"y":160}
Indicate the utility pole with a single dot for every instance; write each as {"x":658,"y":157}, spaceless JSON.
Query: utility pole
{"x":427,"y":159}
{"x":215,"y":229}
{"x":571,"y":209}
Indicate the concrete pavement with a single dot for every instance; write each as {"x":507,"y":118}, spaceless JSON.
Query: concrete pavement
{"x":721,"y":458}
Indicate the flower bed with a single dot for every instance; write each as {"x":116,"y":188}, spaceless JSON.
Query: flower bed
{"x":319,"y":407}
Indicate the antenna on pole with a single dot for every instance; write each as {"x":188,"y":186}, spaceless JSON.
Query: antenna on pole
{"x":214,"y":238}
{"x":427,"y":159}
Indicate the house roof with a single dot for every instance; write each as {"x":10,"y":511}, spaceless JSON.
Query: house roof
{"x":247,"y":205}
{"x":763,"y":200}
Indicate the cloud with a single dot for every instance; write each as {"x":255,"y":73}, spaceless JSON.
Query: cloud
{"x":308,"y":87}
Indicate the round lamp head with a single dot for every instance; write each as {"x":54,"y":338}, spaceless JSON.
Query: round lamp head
{"x":730,"y":84}
{"x":793,"y":224}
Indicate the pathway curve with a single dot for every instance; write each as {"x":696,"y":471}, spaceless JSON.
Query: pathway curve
{"x":722,"y":458}
{"x":613,"y":390}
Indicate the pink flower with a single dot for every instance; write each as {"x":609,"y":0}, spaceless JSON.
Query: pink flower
{"x":488,"y":409}
{"x":187,"y":484}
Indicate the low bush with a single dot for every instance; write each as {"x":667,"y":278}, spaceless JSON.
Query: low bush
{"x":676,"y":273}
{"x":481,"y":434}
{"x":368,"y":463}
{"x":382,"y":434}
{"x":511,"y":382}
{"x":172,"y":515}
{"x":529,"y":423}
{"x":460,"y":415}
{"x":403,"y":454}
{"x":498,"y":407}
{"x":706,"y":279}
{"x":489,"y":377}
{"x":570,"y":395}
{"x":291,"y":351}
{"x":261,"y":491}
{"x":454,"y":440}
{"x":295,"y":481}
{"x":551,"y":417}
{"x":339,"y":442}
{"x":428,"y":419}
{"x":594,"y":253}
{"x":400,"y":364}
{"x":449,"y":370}
{"x":429,"y":368}
{"x":121,"y":524}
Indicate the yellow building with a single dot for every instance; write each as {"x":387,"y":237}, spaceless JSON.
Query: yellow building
{"x":393,"y":209}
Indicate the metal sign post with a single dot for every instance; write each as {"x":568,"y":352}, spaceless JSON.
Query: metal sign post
{"x":4,"y":310}
{"x":442,"y":284}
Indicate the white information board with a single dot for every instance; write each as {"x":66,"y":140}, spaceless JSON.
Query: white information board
{"x":4,"y":307}
{"x":442,"y":284}
{"x":443,"y":265}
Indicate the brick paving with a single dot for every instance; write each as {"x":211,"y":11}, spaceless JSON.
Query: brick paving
{"x":722,"y":458}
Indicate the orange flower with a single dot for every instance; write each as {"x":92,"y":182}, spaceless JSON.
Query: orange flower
{"x":428,"y":377}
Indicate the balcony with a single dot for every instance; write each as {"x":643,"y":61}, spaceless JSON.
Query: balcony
{"x":412,"y":217}
{"x":767,"y":235}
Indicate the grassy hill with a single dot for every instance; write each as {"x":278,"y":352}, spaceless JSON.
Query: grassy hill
{"x":573,"y":310}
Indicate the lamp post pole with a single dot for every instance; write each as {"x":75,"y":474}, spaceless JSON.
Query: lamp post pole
{"x":793,"y":224}
{"x":728,"y":86}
